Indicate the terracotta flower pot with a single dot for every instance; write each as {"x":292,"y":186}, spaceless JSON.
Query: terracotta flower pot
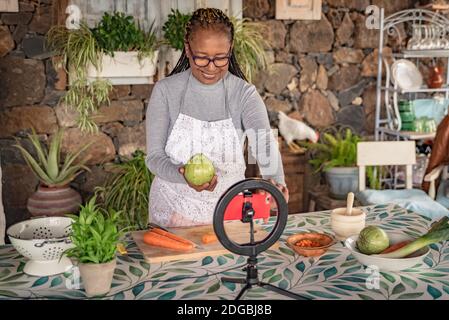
{"x":97,"y":278}
{"x":57,"y":201}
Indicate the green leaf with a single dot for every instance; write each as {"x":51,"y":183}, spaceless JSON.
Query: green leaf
{"x":119,"y":296}
{"x":287,"y":251}
{"x":347,"y":287}
{"x":193,"y":287}
{"x":409,"y":296}
{"x":214,"y":288}
{"x":192,"y":294}
{"x":40,"y":281}
{"x":268,"y":273}
{"x":120,"y":272}
{"x":168,"y":296}
{"x":138,"y":289}
{"x":283,"y":284}
{"x":275,"y":278}
{"x":329,"y":256}
{"x":321,"y":294}
{"x":55,"y":282}
{"x":399,"y":288}
{"x":21,"y":266}
{"x":434,"y":292}
{"x":229,"y":285}
{"x":388,"y":277}
{"x":207,"y":260}
{"x":330,"y":272}
{"x":135,"y":271}
{"x":221,"y":260}
{"x":145,"y":265}
{"x":300,"y":266}
{"x":409,"y":282}
{"x":288,"y":274}
{"x":310,"y":279}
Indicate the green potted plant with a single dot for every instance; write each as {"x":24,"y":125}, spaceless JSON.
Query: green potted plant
{"x":127,"y":190}
{"x":54,"y":196}
{"x":249,"y":46}
{"x":95,"y":236}
{"x":174,"y":32}
{"x":336,"y":155}
{"x":116,"y":51}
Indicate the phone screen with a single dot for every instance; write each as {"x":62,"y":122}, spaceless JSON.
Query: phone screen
{"x":259,"y":201}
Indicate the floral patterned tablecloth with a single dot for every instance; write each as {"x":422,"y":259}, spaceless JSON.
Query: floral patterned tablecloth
{"x":334,"y":275}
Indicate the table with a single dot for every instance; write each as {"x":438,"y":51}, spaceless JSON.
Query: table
{"x":335,"y":275}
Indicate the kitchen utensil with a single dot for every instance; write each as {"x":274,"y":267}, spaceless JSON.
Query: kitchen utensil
{"x":43,"y":241}
{"x":349,"y":203}
{"x":325,"y":241}
{"x":344,"y":225}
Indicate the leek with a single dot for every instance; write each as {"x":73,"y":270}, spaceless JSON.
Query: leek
{"x":439,"y":232}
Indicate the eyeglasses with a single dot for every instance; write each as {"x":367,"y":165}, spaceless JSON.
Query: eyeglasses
{"x":204,"y":61}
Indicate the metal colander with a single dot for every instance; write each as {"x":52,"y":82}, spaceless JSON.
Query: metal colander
{"x":43,"y":241}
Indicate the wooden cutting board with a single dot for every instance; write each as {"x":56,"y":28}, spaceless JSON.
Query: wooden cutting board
{"x":237,"y":231}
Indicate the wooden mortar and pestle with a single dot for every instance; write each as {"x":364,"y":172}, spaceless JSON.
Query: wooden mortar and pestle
{"x":349,"y":221}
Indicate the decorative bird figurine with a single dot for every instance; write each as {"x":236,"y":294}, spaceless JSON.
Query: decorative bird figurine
{"x":292,"y":129}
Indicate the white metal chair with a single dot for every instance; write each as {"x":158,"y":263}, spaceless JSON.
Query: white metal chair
{"x":397,"y":153}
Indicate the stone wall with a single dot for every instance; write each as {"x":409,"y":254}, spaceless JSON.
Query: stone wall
{"x":323,"y":72}
{"x":29,"y":97}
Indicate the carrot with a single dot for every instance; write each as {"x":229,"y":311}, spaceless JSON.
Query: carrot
{"x":209,"y":238}
{"x":170,"y":235}
{"x":395,"y":247}
{"x":155,"y":239}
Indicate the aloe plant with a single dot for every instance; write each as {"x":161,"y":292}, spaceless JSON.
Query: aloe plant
{"x":47,"y":166}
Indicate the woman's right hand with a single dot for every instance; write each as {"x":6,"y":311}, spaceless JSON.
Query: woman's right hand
{"x":210,"y":186}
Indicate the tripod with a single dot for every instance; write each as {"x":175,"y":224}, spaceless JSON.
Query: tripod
{"x":252,"y":279}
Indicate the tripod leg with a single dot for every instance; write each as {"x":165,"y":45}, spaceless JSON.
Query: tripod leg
{"x":248,"y":286}
{"x":281,"y":291}
{"x":233,"y":280}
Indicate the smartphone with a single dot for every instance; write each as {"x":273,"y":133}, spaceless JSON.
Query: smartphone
{"x":259,"y":201}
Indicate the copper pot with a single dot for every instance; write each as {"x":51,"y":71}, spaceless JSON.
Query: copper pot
{"x":435,"y":77}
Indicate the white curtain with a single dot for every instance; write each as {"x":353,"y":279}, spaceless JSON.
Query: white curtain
{"x":2,"y":213}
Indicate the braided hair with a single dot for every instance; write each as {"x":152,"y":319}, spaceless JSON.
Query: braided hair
{"x":209,"y":18}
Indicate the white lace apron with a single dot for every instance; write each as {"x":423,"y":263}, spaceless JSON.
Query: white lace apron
{"x":178,"y":205}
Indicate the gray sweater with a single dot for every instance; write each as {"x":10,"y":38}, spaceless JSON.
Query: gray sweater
{"x":207,"y":103}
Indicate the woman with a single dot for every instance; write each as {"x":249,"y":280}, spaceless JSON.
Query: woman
{"x":203,"y":107}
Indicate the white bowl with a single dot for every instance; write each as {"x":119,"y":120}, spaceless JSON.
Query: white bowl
{"x":43,"y":241}
{"x":387,"y":264}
